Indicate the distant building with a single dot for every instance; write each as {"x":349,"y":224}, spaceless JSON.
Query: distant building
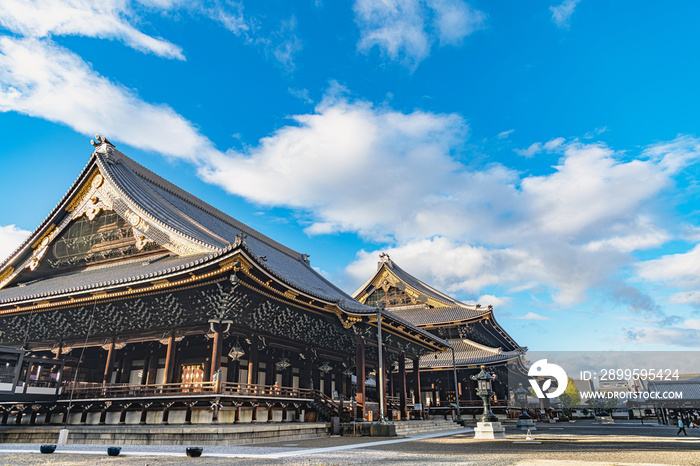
{"x":472,"y":330}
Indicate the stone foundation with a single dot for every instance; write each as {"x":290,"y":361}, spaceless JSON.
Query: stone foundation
{"x":168,"y":435}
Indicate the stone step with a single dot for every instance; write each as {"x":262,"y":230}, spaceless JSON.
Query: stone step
{"x":424,"y":427}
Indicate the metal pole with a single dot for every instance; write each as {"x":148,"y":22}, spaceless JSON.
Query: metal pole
{"x":454,"y":370}
{"x":380,"y":371}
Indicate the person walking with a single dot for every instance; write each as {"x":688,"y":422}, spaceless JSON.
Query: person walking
{"x":681,"y":427}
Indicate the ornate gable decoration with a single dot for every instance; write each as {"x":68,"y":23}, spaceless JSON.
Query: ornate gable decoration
{"x":386,"y":283}
{"x":94,"y":196}
{"x":93,"y":199}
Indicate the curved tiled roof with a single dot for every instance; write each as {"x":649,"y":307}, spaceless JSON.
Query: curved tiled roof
{"x":440,"y":315}
{"x":467,"y":353}
{"x":100,"y":277}
{"x":423,"y":315}
{"x":180,"y":214}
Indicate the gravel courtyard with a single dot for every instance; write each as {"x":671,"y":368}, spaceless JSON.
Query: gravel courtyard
{"x":579,"y":444}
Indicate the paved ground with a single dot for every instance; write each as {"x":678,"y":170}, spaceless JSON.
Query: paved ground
{"x":576,"y":444}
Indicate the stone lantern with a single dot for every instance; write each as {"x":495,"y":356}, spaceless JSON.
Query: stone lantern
{"x":488,"y":427}
{"x":524,"y":421}
{"x":483,"y":391}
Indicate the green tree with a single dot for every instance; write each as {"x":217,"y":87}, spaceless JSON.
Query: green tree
{"x":610,"y":405}
{"x":570,"y":398}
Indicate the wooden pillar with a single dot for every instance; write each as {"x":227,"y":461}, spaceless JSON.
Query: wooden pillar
{"x":170,"y":357}
{"x":122,"y":413}
{"x":84,"y":415}
{"x":47,"y":418}
{"x":327,"y":384}
{"x":5,"y":415}
{"x":107,"y":377}
{"x":287,"y":377}
{"x":166,"y":413}
{"x":253,"y":362}
{"x":144,"y":371}
{"x":233,"y":371}
{"x":18,"y":419}
{"x":270,"y":372}
{"x":360,"y":373}
{"x":384,"y":377}
{"x":144,"y":413}
{"x":340,"y":382}
{"x":152,"y":368}
{"x":270,"y":412}
{"x":216,"y":347}
{"x":391,"y":391}
{"x":348,"y":382}
{"x":216,"y":407}
{"x":402,"y":386}
{"x":188,"y":413}
{"x":103,"y":416}
{"x":32,"y":418}
{"x":126,"y":370}
{"x":305,"y":374}
{"x":416,"y":380}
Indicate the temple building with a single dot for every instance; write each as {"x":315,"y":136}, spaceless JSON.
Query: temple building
{"x":135,"y":302}
{"x":471,"y":330}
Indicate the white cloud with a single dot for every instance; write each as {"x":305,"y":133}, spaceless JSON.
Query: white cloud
{"x":392,"y":177}
{"x":302,"y":94}
{"x":231,"y":17}
{"x":687,"y":334}
{"x":278,"y":42}
{"x":647,"y":235}
{"x":495,"y":301}
{"x":596,"y":132}
{"x":112,"y":19}
{"x":686,"y":297}
{"x":106,"y":19}
{"x":455,"y":19}
{"x":335,"y":161}
{"x":553,"y":144}
{"x":451,"y":266}
{"x":40,"y":79}
{"x":401,"y":28}
{"x":10,"y":239}
{"x":534,"y":148}
{"x":561,"y":14}
{"x":505,"y":134}
{"x":532,"y":316}
{"x":287,"y":44}
{"x":537,"y":147}
{"x":681,"y":270}
{"x":591,"y":190}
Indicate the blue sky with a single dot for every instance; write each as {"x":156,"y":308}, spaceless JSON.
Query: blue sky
{"x":538,"y":156}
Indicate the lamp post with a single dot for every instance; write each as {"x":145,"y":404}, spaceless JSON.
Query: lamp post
{"x":454,"y":373}
{"x":380,"y":371}
{"x":483,"y":380}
